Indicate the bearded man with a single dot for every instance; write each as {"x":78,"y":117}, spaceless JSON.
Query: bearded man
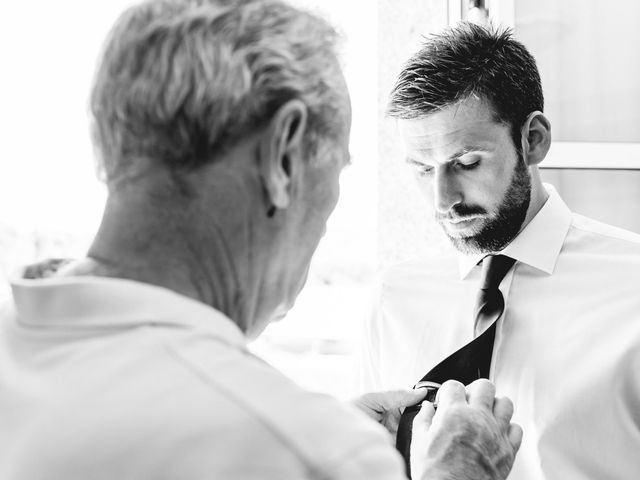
{"x":544,"y":302}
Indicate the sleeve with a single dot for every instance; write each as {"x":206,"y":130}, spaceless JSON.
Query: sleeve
{"x":366,"y":376}
{"x":377,"y":461}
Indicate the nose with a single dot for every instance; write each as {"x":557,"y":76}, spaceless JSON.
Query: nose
{"x":446,"y":190}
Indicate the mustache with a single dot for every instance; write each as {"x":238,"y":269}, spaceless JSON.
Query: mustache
{"x":461,"y":211}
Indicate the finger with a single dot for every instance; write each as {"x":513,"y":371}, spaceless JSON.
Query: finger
{"x":391,"y":422}
{"x":503,"y":411}
{"x":481,"y":393}
{"x":400,"y":398}
{"x":391,"y":417}
{"x":515,"y":436}
{"x":412,"y":397}
{"x":369,"y":405}
{"x":393,"y":411}
{"x":424,"y":417}
{"x":450,"y":393}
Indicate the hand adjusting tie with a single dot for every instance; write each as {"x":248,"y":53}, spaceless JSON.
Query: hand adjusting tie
{"x":472,"y":361}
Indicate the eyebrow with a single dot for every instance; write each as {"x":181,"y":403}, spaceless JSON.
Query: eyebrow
{"x":466,"y":150}
{"x":416,"y":163}
{"x":463,"y":151}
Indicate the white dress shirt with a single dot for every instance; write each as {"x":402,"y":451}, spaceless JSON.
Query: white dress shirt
{"x":567,"y":348}
{"x":113,"y":379}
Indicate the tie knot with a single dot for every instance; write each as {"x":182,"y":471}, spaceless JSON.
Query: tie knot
{"x":494,"y":269}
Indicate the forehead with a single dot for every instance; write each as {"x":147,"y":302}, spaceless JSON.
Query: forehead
{"x":468,"y":123}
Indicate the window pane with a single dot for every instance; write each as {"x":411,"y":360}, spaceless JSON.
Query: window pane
{"x":587,"y":53}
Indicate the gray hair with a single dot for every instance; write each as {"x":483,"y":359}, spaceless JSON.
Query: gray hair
{"x":181,"y":80}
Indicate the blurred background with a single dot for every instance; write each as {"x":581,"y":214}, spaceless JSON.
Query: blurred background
{"x":51,"y":202}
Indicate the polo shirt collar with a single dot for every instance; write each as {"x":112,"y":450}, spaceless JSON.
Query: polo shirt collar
{"x":113,"y":303}
{"x":538,"y":244}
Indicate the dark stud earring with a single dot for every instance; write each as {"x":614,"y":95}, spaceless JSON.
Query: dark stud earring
{"x":272,"y":211}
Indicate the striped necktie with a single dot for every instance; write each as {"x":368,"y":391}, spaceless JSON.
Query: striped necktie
{"x":470,"y":362}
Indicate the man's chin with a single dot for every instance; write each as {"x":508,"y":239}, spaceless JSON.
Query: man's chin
{"x":468,"y":242}
{"x":483,"y":242}
{"x":462,"y":235}
{"x":467,"y":245}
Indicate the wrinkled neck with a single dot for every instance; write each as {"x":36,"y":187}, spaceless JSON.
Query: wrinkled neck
{"x":204,"y":253}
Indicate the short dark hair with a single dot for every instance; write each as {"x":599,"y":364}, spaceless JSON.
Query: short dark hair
{"x":470,"y":60}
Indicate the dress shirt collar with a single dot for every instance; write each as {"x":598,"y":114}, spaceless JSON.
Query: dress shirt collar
{"x":539,"y":243}
{"x":113,"y":303}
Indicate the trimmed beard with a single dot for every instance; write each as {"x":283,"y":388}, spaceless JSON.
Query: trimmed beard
{"x":500,"y":229}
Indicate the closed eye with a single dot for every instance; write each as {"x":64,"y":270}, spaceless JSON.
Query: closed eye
{"x":420,"y":168}
{"x":468,"y":166}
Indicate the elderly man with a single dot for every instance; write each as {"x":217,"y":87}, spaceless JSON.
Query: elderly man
{"x":542,"y":301}
{"x":222,"y":128}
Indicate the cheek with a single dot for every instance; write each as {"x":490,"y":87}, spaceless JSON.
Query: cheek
{"x":486,"y":189}
{"x":487,"y":193}
{"x":501,"y":182}
{"x":328,"y":194}
{"x":321,"y":200}
{"x":425,"y":187}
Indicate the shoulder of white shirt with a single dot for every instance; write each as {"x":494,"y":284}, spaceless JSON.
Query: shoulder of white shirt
{"x":589,"y":225}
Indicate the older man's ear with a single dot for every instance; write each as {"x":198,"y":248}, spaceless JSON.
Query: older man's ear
{"x":280,"y":153}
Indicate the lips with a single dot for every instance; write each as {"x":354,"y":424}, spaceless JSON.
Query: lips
{"x":462,"y":227}
{"x":461,"y":220}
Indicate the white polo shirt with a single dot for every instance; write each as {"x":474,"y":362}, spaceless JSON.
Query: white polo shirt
{"x":567,"y":349}
{"x":113,"y":379}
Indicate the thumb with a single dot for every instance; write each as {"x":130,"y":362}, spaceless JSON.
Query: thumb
{"x":402,"y":398}
{"x":407,"y":398}
{"x":390,"y":400}
{"x":378,"y":404}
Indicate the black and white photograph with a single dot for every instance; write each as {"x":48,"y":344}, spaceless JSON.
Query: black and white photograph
{"x":320,"y":239}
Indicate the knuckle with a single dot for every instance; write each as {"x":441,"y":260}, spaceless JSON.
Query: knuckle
{"x":485,"y":384}
{"x":517,"y":432}
{"x":509,"y":406}
{"x":452,"y":385}
{"x":505,"y":404}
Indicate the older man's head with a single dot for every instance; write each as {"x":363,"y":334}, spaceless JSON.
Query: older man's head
{"x":221,"y":127}
{"x":182,"y":80}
